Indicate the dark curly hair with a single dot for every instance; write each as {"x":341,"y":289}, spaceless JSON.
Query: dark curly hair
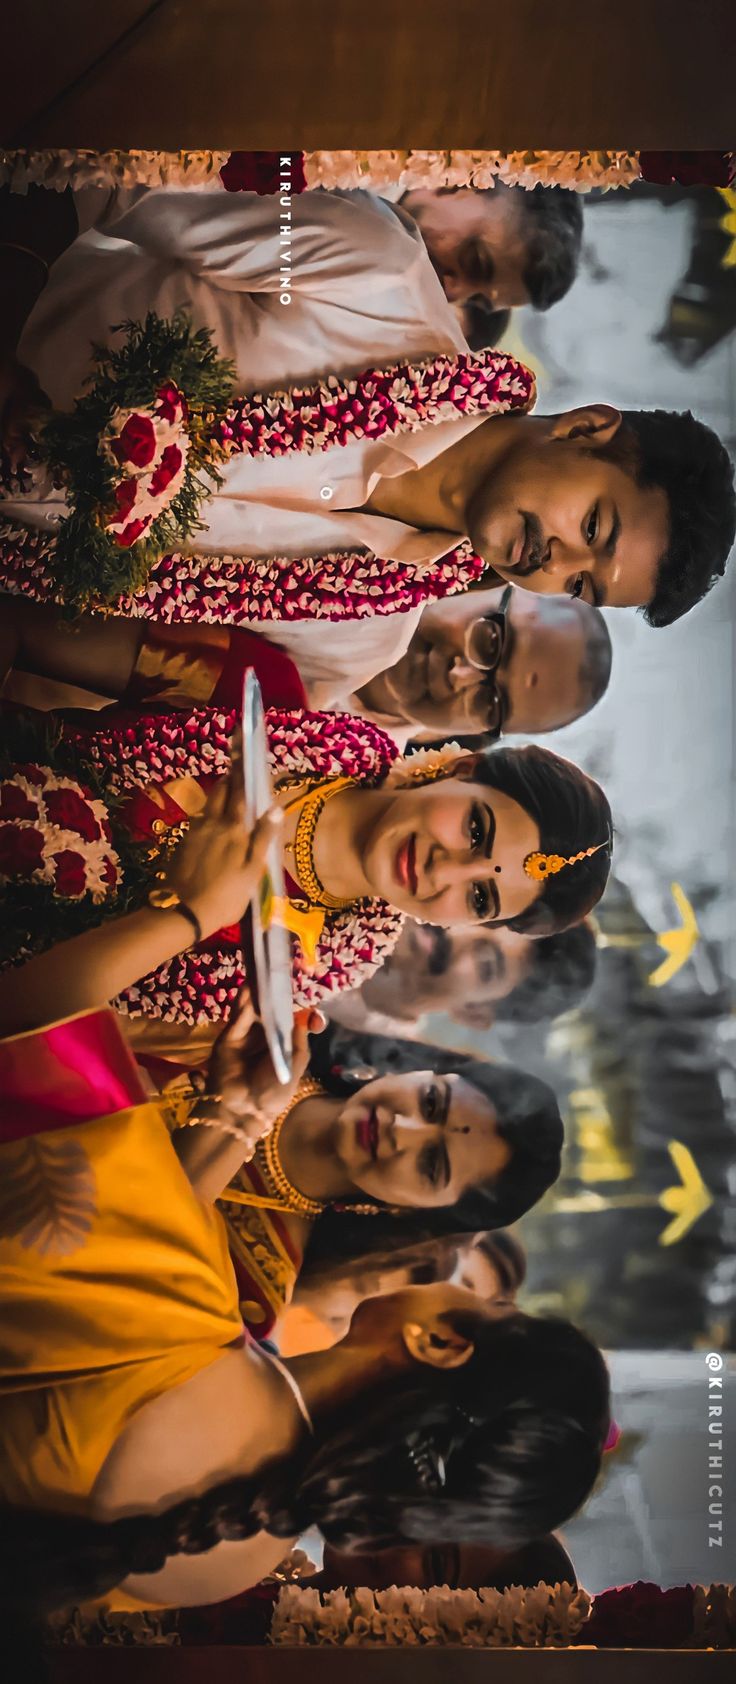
{"x":685,"y":459}
{"x":571,"y":813}
{"x":552,"y":222}
{"x":560,"y":970}
{"x":499,"y":1450}
{"x":528,"y":1118}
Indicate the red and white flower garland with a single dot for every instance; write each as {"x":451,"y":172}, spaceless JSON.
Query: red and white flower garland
{"x":151,"y":446}
{"x":340,"y":585}
{"x":199,"y":986}
{"x":53,"y":831}
{"x":580,"y":171}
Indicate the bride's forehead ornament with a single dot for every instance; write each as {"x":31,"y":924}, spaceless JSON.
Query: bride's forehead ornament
{"x":541,"y":866}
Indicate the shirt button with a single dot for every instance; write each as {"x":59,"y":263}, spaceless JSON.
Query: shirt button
{"x":326,"y":493}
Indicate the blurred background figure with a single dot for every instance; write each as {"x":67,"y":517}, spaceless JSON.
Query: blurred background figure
{"x":500,"y":246}
{"x":473,"y":977}
{"x":493,"y":1265}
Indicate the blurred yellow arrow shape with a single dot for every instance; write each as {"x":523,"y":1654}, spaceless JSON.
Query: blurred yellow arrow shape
{"x":728,"y":224}
{"x":678,"y":944}
{"x":687,"y":1202}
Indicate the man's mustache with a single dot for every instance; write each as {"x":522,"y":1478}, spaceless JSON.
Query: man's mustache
{"x":537,"y":548}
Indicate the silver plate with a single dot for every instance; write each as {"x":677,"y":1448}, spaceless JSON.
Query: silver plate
{"x":271,"y":944}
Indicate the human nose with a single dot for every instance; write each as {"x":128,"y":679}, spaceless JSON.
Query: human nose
{"x":453,"y":870}
{"x":462,"y":675}
{"x":565,"y":557}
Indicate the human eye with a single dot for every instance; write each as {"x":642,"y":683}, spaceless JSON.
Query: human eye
{"x":476,"y":828}
{"x":431,"y":1102}
{"x":592,"y":525}
{"x":429,"y":1164}
{"x":577,"y":587}
{"x":479,"y":900}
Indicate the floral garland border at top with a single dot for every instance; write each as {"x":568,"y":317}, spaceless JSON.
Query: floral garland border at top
{"x":581,"y":171}
{"x":259,"y":171}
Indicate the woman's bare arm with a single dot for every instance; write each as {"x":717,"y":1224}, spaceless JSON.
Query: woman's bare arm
{"x":247,"y":1100}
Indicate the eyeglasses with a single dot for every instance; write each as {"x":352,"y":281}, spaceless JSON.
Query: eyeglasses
{"x":485,"y":642}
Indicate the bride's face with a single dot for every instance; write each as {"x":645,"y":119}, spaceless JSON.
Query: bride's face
{"x":452,"y":852}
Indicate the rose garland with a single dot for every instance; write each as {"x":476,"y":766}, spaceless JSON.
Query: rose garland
{"x":87,"y":565}
{"x":53,"y":831}
{"x":198,"y":986}
{"x":134,"y":454}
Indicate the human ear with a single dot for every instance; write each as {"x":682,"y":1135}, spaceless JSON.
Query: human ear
{"x":597,"y":423}
{"x":436,"y":1345}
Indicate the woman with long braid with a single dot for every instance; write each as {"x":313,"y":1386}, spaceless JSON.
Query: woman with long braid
{"x":151,"y":1452}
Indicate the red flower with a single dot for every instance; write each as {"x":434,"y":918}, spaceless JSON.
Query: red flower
{"x":71,"y":880}
{"x":640,"y":1616}
{"x":14,"y":803}
{"x":167,"y":470}
{"x":688,"y":169}
{"x":170,"y":403}
{"x":21,"y":851}
{"x":125,"y":495}
{"x":137,"y":441}
{"x":34,"y":774}
{"x":70,"y":811}
{"x":109,"y":873}
{"x":132,"y":532}
{"x":262,"y":173}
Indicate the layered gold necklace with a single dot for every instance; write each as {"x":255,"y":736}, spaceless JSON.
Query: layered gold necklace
{"x":283,"y":1195}
{"x":310,"y":809}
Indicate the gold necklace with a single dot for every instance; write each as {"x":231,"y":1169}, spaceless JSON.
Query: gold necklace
{"x":285,"y":1195}
{"x":311,"y":808}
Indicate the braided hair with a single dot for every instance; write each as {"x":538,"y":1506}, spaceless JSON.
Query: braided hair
{"x":499,"y":1450}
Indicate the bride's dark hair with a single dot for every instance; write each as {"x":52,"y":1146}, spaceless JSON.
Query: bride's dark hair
{"x":571,"y":813}
{"x":528,"y":1118}
{"x":499,"y":1450}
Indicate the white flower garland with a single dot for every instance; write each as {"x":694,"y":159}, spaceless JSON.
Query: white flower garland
{"x":580,"y":171}
{"x":547,"y":1616}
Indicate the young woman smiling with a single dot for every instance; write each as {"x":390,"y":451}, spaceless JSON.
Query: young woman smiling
{"x":423,"y":1154}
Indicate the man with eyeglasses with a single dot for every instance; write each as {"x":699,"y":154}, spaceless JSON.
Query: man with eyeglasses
{"x":491,"y":663}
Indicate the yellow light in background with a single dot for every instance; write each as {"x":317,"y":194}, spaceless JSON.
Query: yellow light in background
{"x":686,"y":1202}
{"x":728,"y":224}
{"x":677,"y":943}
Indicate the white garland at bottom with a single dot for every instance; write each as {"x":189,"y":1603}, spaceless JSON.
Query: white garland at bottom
{"x":546,"y":1616}
{"x":580,"y":171}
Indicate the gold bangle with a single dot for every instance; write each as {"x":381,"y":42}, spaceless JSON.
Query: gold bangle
{"x":26,"y":251}
{"x":224,"y":1127}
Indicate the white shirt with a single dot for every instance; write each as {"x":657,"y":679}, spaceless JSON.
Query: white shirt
{"x":334,"y":656}
{"x":363,"y":292}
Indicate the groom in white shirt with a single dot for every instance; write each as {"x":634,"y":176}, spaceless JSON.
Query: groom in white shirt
{"x":623,"y":510}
